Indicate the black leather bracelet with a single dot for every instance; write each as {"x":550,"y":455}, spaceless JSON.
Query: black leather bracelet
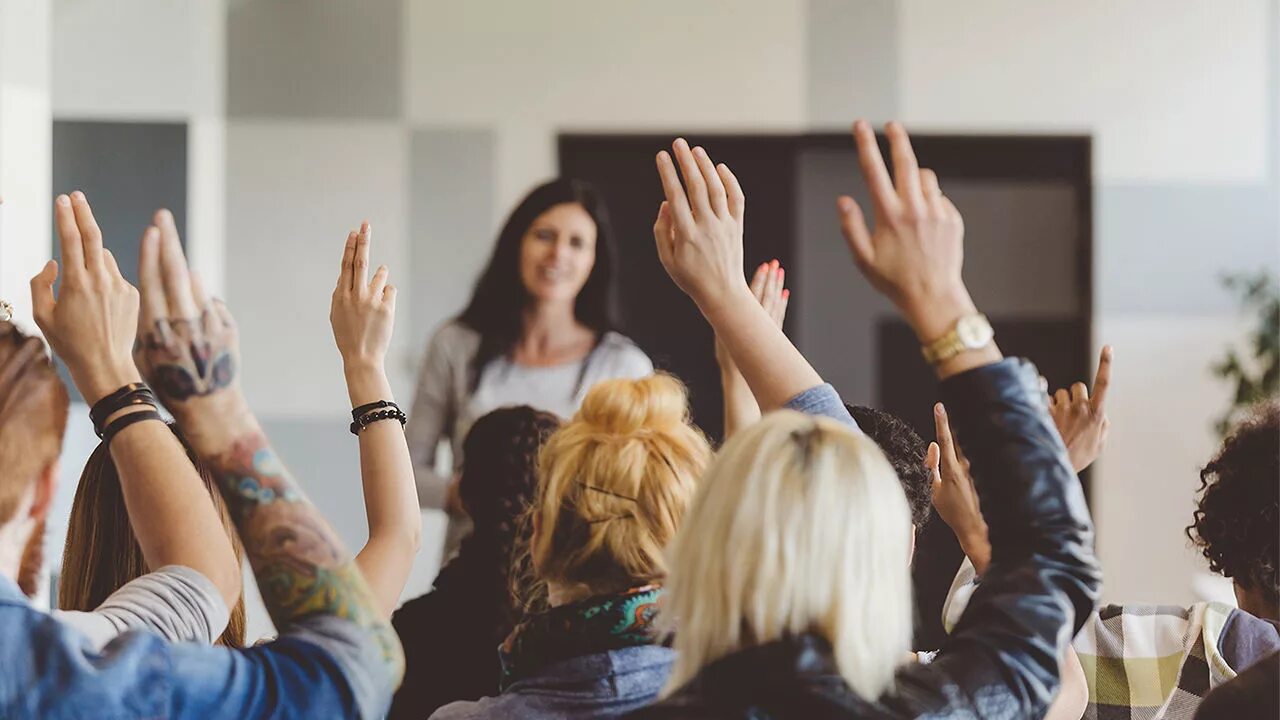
{"x":127,"y":396}
{"x":359,"y":412}
{"x":125,"y":421}
{"x":368,"y":419}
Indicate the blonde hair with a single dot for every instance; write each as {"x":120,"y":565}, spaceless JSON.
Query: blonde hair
{"x":799,"y":526}
{"x":102,"y":554}
{"x":613,"y":485}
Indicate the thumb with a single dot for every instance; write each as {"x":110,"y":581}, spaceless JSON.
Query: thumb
{"x":663,"y":234}
{"x":42,"y":302}
{"x":854,"y":227}
{"x":933,"y":462}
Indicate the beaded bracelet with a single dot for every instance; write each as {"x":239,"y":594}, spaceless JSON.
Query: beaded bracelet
{"x":368,"y":419}
{"x":125,"y":421}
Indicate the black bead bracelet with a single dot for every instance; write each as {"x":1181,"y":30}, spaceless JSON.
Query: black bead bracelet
{"x":390,"y":411}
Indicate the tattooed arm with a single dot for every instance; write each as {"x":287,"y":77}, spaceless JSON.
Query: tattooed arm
{"x":190,"y":352}
{"x":363,"y":315}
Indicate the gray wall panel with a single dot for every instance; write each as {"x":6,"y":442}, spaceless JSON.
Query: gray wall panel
{"x":315,"y":58}
{"x":852,"y":55}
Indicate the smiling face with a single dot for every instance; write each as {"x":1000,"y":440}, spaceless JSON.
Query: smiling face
{"x":557,"y":253}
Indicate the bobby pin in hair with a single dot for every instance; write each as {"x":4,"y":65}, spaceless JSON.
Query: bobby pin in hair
{"x":620,"y":496}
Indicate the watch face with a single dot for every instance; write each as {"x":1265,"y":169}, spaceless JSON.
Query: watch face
{"x":974,"y":331}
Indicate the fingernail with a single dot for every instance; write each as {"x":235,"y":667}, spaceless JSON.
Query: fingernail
{"x":781,"y":273}
{"x":77,"y":195}
{"x":938,"y":409}
{"x":681,"y":142}
{"x":64,"y":200}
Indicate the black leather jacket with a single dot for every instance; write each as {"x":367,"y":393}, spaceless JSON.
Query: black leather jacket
{"x":1002,"y":657}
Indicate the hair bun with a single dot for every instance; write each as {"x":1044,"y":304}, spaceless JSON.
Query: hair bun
{"x":623,"y":406}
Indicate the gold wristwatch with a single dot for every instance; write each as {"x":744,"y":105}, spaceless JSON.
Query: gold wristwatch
{"x":971,"y":332}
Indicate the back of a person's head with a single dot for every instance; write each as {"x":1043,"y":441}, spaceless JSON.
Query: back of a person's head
{"x":33,"y":415}
{"x":906,"y":452}
{"x":799,"y":526}
{"x":500,"y":469}
{"x":1237,"y":518}
{"x":614,"y":483}
{"x":102,"y":554}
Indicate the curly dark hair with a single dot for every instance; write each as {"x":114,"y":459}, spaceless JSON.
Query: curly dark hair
{"x":499,"y":479}
{"x":906,"y":451}
{"x":1237,"y":518}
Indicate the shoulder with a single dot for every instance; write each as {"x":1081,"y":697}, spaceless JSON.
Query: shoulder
{"x":1245,"y":639}
{"x":455,"y":334}
{"x":619,"y":356}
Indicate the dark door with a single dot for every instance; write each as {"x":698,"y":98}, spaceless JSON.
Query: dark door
{"x":657,"y":314}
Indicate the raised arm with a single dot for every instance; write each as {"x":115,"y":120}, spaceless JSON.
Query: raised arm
{"x":699,"y":237}
{"x":91,"y":325}
{"x":1042,"y":581}
{"x":307,"y":578}
{"x":740,"y":406}
{"x":363,"y":317}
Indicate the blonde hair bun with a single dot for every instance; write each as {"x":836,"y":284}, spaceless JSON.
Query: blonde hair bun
{"x":622,"y":406}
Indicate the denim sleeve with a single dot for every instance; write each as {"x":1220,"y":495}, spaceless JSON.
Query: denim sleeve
{"x":323,"y":666}
{"x":822,"y":400}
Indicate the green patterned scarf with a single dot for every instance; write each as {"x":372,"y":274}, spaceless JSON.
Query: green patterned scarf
{"x":595,"y":625}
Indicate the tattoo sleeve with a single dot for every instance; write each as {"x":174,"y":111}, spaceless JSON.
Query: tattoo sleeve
{"x":302,"y":567}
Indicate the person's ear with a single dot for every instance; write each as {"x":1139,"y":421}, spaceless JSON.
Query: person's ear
{"x":46,"y":489}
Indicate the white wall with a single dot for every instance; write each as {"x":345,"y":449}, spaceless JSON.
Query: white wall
{"x":534,"y":69}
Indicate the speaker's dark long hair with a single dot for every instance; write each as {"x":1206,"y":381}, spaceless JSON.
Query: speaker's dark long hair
{"x":496,"y":310}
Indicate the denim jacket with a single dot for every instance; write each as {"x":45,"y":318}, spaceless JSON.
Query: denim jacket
{"x":606,"y":684}
{"x":320,"y":667}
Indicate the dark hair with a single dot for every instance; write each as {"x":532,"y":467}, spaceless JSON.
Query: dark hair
{"x":496,"y":309}
{"x":906,"y":451}
{"x":499,"y":479}
{"x":1237,"y":518}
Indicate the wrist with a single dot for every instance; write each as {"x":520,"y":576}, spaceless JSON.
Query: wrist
{"x":933,"y":315}
{"x":366,"y":383}
{"x":720,"y":308}
{"x":106,"y":381}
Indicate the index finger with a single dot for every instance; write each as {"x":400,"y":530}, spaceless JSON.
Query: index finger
{"x":906,"y":170}
{"x":1102,"y":381}
{"x":873,"y":169}
{"x":677,"y":203}
{"x":64,"y":218}
{"x":345,"y":272}
{"x":173,"y":269}
{"x":90,"y":234}
{"x":942,"y":430}
{"x":361,"y":279}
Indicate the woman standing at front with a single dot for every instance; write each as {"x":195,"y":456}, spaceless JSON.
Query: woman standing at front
{"x":540,"y":330}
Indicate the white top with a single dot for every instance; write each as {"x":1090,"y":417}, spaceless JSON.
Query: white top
{"x":175,"y":602}
{"x":444,"y":408}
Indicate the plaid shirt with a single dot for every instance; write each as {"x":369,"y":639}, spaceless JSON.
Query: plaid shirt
{"x":1152,"y":662}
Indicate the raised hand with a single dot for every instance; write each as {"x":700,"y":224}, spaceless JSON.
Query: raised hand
{"x":362,"y":313}
{"x":767,"y":285}
{"x":188,"y":347}
{"x":1081,"y":419}
{"x":740,"y":407}
{"x":916,"y":251}
{"x":699,"y":227}
{"x":954,"y":495}
{"x":92,"y":322}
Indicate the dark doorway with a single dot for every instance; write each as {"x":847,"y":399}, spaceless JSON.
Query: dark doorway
{"x":1028,"y":242}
